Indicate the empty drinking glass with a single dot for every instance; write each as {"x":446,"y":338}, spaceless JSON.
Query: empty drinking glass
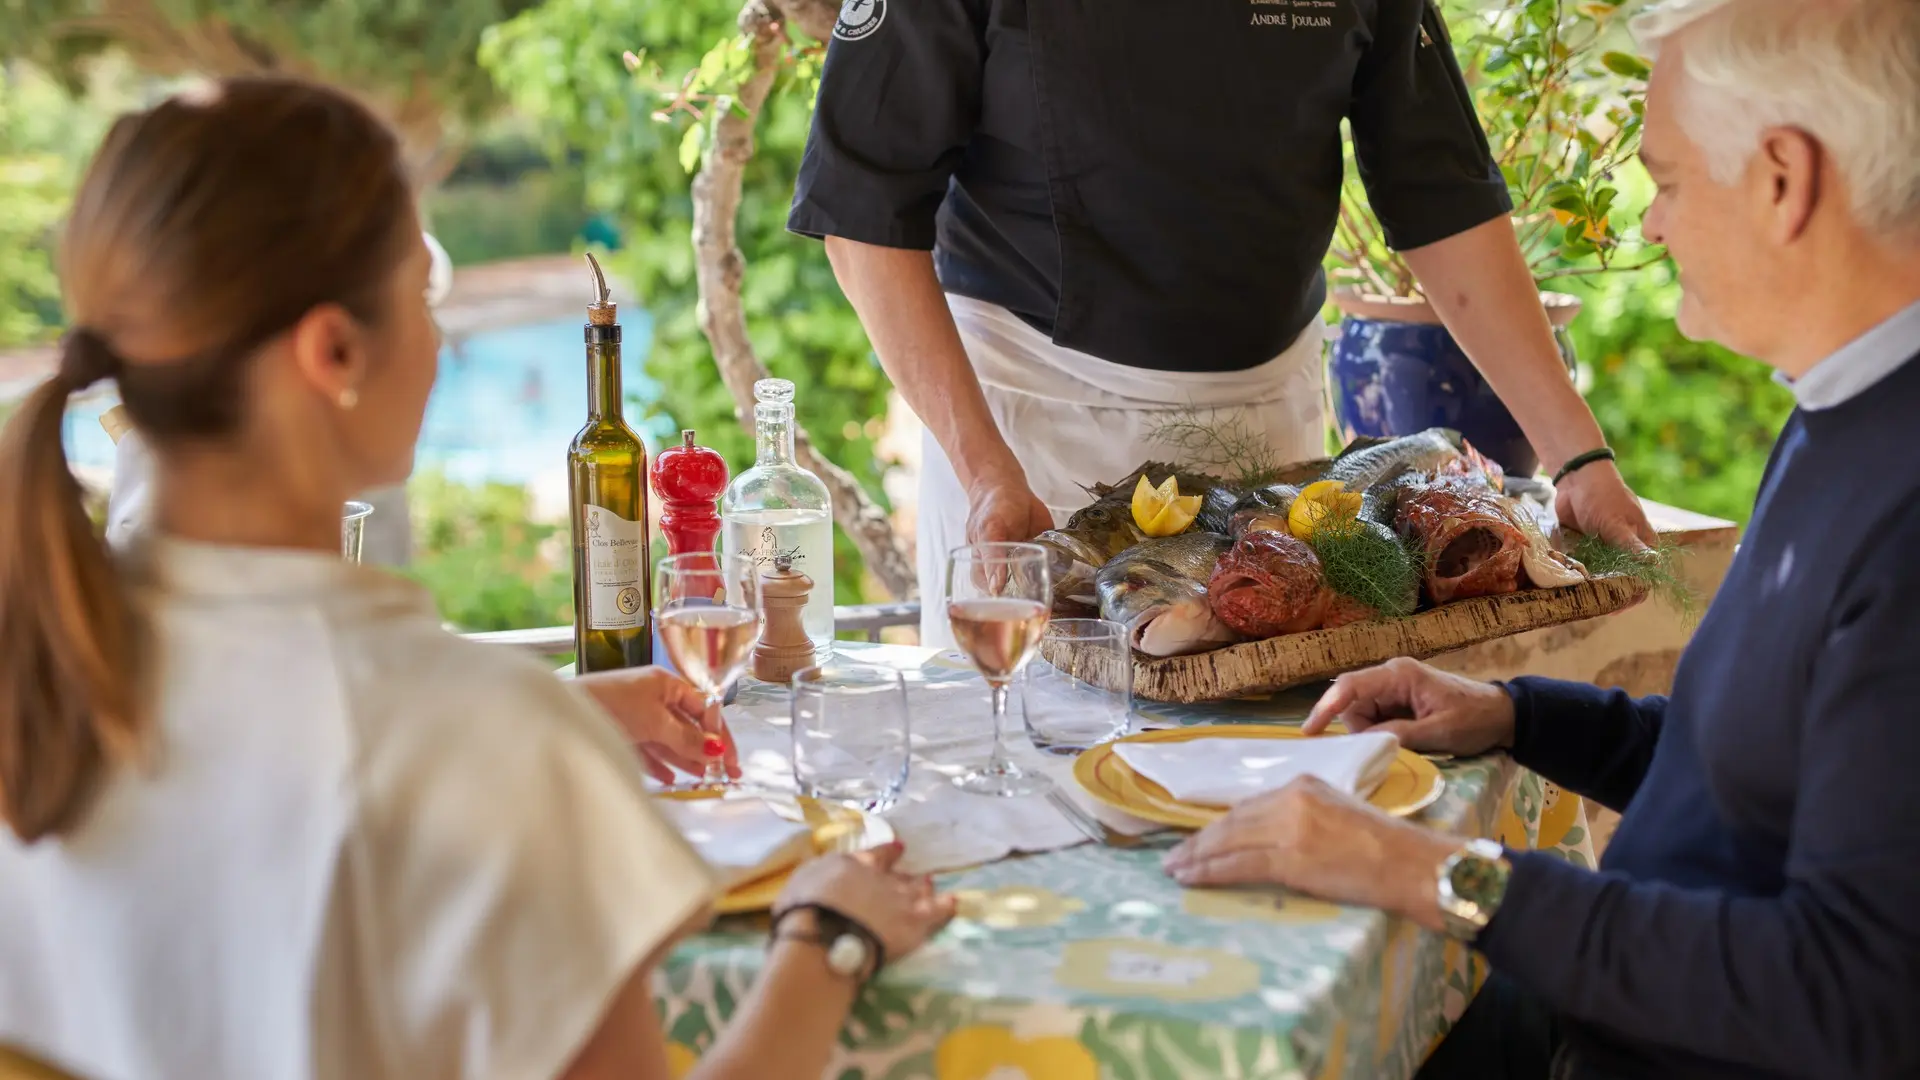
{"x":353,"y":529}
{"x":850,"y":734}
{"x":1088,"y":699}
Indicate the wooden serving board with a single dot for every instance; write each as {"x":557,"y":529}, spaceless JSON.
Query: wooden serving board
{"x":1262,"y":667}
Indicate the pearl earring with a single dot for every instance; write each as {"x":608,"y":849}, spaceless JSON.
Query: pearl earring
{"x":349,"y":398}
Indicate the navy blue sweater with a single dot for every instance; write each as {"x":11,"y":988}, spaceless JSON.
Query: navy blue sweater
{"x":1758,"y":911}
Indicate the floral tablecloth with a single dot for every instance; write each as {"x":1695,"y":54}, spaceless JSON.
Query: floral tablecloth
{"x":1089,"y":962}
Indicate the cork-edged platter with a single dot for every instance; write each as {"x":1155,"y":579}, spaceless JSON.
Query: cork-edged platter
{"x":1262,"y":667}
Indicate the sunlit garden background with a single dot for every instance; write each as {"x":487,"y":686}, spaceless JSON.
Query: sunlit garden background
{"x":538,"y":142}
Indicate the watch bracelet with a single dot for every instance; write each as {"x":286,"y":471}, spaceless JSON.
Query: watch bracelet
{"x":828,"y":913}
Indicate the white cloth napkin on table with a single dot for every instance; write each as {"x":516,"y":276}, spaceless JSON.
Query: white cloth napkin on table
{"x":742,"y":839}
{"x":1225,"y":771}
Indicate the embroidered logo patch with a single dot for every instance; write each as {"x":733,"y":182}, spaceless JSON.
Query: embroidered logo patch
{"x":859,"y":19}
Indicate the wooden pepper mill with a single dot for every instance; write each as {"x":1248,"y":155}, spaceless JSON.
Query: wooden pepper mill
{"x":784,"y":647}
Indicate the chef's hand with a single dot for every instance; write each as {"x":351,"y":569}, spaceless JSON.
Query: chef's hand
{"x":1428,"y":710}
{"x":664,"y":715}
{"x":1313,"y":839}
{"x":902,"y":911}
{"x":1595,"y":500}
{"x":1005,"y":509}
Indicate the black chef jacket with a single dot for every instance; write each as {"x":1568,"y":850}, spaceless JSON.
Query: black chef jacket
{"x":1153,"y":182}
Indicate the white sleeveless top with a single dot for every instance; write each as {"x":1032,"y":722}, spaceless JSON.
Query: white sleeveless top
{"x":364,"y":849}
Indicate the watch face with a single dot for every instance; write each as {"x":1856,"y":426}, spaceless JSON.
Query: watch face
{"x":847,"y":955}
{"x":1478,"y":879}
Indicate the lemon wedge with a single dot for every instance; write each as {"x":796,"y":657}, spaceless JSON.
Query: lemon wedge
{"x":1318,"y":502}
{"x":1162,"y":510}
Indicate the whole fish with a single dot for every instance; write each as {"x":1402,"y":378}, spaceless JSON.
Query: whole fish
{"x":1275,"y":498}
{"x":1362,"y":466}
{"x":1269,"y":584}
{"x":1075,"y":553}
{"x":1216,"y":509}
{"x":1156,"y":473}
{"x":1470,"y":540}
{"x":1157,"y":591}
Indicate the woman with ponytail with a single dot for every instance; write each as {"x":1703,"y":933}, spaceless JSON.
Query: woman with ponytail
{"x":261,"y":818}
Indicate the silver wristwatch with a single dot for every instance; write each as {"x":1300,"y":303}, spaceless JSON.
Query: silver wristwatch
{"x":1472,"y":882}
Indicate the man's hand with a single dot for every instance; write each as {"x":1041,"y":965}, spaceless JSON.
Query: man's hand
{"x":1428,"y":710}
{"x":1006,"y":510}
{"x":1313,"y":839}
{"x":664,"y":716}
{"x":1595,"y":500}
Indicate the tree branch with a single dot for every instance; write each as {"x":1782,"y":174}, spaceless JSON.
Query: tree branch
{"x":720,"y":267}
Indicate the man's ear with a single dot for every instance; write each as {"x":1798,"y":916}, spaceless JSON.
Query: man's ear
{"x":1788,"y":165}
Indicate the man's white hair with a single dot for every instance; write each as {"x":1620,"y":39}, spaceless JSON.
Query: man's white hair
{"x":1846,"y":72}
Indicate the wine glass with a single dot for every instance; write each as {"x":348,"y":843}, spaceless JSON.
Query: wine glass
{"x":997,"y":604}
{"x":708,"y":617}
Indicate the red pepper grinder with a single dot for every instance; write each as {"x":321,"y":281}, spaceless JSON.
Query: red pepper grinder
{"x":689,"y":480}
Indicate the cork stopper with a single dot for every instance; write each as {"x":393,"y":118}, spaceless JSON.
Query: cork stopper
{"x":603,"y":311}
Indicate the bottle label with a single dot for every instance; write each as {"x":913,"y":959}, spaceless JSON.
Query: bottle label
{"x":616,"y":594}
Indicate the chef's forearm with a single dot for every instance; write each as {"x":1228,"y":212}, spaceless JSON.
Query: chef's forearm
{"x":900,"y":302}
{"x":1479,"y":284}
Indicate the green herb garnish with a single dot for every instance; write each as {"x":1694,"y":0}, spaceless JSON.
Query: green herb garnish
{"x":1659,"y":569}
{"x":1367,"y":563}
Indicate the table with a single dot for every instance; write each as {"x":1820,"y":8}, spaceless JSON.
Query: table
{"x":1088,"y":962}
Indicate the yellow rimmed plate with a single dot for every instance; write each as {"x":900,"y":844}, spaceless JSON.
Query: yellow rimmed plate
{"x":1411,"y":785}
{"x":835,"y":828}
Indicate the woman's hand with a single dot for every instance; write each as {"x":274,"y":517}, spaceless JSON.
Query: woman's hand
{"x":903,"y":912}
{"x":1428,"y":710}
{"x":665,"y":716}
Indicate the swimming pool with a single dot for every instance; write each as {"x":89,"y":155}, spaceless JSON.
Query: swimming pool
{"x":506,"y":403}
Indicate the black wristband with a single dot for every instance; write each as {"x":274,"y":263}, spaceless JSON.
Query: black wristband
{"x":1581,"y":461}
{"x":833,"y":923}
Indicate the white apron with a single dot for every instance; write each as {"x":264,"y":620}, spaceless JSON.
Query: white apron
{"x":1074,"y":419}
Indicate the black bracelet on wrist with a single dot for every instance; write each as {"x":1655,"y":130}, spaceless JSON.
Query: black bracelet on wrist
{"x":1581,"y":461}
{"x":832,"y":923}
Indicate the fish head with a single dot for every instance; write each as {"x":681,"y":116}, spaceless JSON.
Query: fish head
{"x":1106,"y":527}
{"x":1165,"y":613}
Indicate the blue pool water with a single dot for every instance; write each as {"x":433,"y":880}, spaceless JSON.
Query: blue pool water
{"x":506,"y":403}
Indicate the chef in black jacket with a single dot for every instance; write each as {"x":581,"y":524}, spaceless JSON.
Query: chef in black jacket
{"x":1059,"y":219}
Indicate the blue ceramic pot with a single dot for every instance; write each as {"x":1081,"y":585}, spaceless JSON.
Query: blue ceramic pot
{"x":1400,"y":376}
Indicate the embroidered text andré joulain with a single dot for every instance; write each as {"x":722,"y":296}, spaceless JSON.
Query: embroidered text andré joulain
{"x":1293,"y":20}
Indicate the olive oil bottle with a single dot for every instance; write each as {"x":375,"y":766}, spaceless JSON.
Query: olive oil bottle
{"x":607,"y":485}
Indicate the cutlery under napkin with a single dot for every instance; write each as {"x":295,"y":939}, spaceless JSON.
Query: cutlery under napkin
{"x":742,"y":839}
{"x":1224,"y":771}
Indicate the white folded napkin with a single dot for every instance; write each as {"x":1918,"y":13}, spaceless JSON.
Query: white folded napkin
{"x":1224,"y":771}
{"x":742,"y":839}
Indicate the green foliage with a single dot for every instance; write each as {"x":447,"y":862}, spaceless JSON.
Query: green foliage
{"x":390,"y":51}
{"x":563,"y":61}
{"x":1692,"y":422}
{"x":539,"y":213}
{"x":488,"y":564}
{"x":1562,"y":112}
{"x":45,"y":136}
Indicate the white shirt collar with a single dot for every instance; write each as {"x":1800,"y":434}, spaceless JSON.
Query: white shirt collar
{"x":1859,"y":364}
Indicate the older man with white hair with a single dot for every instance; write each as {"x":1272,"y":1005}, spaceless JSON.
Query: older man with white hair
{"x":1758,"y":911}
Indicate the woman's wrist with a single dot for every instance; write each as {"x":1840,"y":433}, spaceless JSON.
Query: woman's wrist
{"x":801,"y":967}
